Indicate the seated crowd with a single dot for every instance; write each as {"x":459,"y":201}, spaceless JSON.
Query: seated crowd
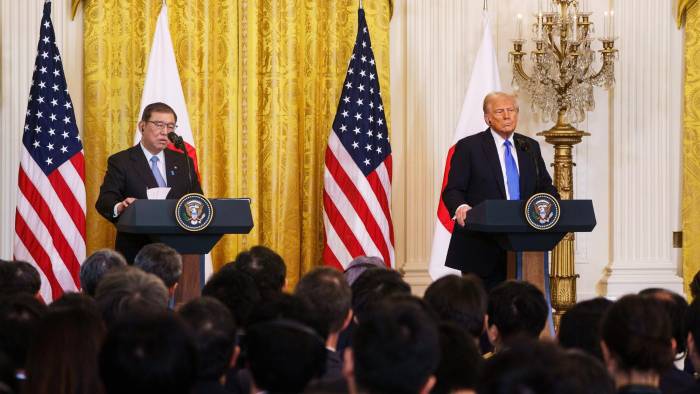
{"x":358,"y":331}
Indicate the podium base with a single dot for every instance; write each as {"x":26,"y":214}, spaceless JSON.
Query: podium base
{"x":190,"y":284}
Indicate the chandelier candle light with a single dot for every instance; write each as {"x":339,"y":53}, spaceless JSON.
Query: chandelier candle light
{"x":560,"y":86}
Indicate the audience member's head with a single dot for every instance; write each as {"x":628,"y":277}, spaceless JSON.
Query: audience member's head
{"x":288,"y":307}
{"x":265,"y":267}
{"x":373,"y":286}
{"x":129,"y":291}
{"x":695,"y":286}
{"x":580,"y":326}
{"x":96,"y":265}
{"x":63,"y":356}
{"x":395,"y":349}
{"x":284,"y":355}
{"x":329,"y":295}
{"x":636,"y":339}
{"x":8,"y":382}
{"x":693,"y":325}
{"x":80,"y":301}
{"x":460,"y":361}
{"x":460,"y":300}
{"x":675,"y":306}
{"x":531,"y":366}
{"x":235,"y":289}
{"x":361,"y":264}
{"x":215,"y":336}
{"x":162,"y":261}
{"x":18,"y":277}
{"x":148,"y":354}
{"x":515,"y":309}
{"x":19,"y":317}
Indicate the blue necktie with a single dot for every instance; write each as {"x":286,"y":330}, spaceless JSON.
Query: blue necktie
{"x":512,"y":173}
{"x":156,"y":172}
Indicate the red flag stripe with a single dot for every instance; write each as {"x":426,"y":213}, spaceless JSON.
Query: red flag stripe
{"x":341,"y":228}
{"x":68,"y":200}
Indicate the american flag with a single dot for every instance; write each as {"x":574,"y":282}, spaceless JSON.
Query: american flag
{"x":50,"y":219}
{"x":357,"y":176}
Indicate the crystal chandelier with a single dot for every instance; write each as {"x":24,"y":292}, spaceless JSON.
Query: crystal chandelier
{"x":563,"y":63}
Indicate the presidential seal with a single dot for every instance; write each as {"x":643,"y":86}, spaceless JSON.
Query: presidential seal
{"x":542,"y":211}
{"x":194,"y":212}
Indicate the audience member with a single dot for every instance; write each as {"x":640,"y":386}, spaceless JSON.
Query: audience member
{"x":130,"y":291}
{"x":515,"y":309}
{"x":580,"y":326}
{"x":18,"y":277}
{"x":19,"y":316}
{"x":395,"y":349}
{"x":460,"y":300}
{"x":693,"y":340}
{"x":637,"y":343}
{"x":8,"y":384}
{"x":283,"y":355}
{"x":147,"y":354}
{"x":215,"y":336}
{"x":266,"y":267}
{"x":235,"y":289}
{"x":96,"y":266}
{"x":460,"y":361}
{"x":374,"y":286}
{"x":162,"y":261}
{"x":63,"y":356}
{"x":70,"y":300}
{"x":673,"y":380}
{"x":361,"y":264}
{"x":329,"y":295}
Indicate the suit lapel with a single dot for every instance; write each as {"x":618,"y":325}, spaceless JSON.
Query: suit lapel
{"x":174,"y":168}
{"x":141,"y":166}
{"x":492,"y":157}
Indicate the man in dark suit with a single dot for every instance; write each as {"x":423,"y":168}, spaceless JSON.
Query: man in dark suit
{"x":144,"y":166}
{"x":494,"y":164}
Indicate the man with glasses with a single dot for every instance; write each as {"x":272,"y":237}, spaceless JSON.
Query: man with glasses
{"x":131,"y":172}
{"x":494,"y":164}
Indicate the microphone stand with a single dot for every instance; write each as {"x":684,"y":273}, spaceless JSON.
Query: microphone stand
{"x":180,"y":144}
{"x":525,"y":146}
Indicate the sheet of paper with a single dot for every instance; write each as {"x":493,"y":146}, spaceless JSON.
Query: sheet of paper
{"x":157,"y":193}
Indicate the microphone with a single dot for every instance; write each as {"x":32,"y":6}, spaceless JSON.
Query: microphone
{"x":524,"y":145}
{"x":180,"y":144}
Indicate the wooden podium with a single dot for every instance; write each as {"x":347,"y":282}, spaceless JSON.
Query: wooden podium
{"x":504,"y":221}
{"x":155,"y":219}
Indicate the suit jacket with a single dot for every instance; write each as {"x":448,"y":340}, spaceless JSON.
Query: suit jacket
{"x":476,"y":175}
{"x":129,"y":175}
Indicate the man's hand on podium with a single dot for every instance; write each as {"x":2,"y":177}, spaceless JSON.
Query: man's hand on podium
{"x":124,"y":204}
{"x":461,"y":214}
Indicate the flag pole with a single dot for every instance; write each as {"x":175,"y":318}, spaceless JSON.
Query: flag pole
{"x":360,"y":4}
{"x":486,"y":5}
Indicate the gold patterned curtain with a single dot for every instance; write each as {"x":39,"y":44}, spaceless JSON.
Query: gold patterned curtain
{"x":261,"y":80}
{"x":691,"y":140}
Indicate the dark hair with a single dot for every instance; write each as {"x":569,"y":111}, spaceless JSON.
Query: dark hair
{"x":266,"y":267}
{"x":63,"y":357}
{"x":360,"y":264}
{"x":19,"y":316}
{"x":157,"y":107}
{"x":18,"y":277}
{"x":395,"y":348}
{"x":129,"y":291}
{"x":460,"y":361}
{"x":461,"y":300}
{"x":692,"y":318}
{"x":373,"y":286}
{"x":214,"y":333}
{"x":284,"y":355}
{"x":327,"y":292}
{"x":580,"y":326}
{"x":531,"y":366}
{"x":96,"y":265}
{"x":675,"y":306}
{"x":162,"y":261}
{"x":637,"y":332}
{"x":288,"y":307}
{"x":148,"y":354}
{"x":236,"y":290}
{"x":80,"y":301}
{"x":695,"y":286}
{"x":517,"y":308}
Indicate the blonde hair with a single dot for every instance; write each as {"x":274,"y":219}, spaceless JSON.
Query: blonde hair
{"x":494,"y":95}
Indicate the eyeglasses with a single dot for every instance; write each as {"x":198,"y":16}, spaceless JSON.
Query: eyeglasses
{"x":501,"y":112}
{"x":162,"y":125}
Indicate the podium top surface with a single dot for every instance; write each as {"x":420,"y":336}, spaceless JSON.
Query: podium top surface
{"x":231,"y":216}
{"x":508,"y":216}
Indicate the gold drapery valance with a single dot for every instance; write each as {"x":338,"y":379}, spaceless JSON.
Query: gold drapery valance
{"x":261,"y":81}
